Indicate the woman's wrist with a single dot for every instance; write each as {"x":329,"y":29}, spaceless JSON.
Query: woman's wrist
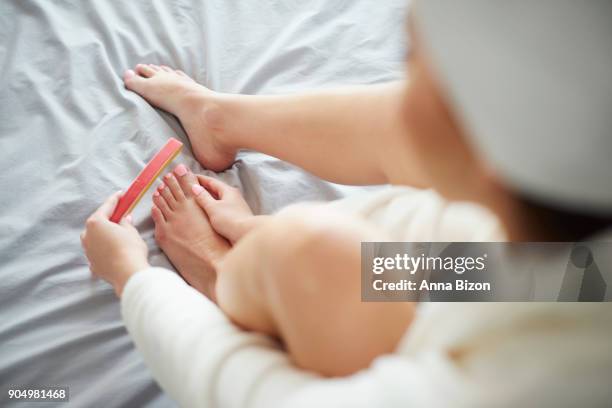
{"x":125,"y":269}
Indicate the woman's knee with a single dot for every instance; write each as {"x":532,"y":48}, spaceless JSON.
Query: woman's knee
{"x":316,"y":283}
{"x":308,"y":242}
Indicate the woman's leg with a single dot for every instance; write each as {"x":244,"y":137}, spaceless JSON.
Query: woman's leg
{"x":298,"y":277}
{"x":350,"y":135}
{"x":353,"y":135}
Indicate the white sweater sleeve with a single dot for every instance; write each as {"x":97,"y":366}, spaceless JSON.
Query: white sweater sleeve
{"x":202,"y":360}
{"x":195,"y":353}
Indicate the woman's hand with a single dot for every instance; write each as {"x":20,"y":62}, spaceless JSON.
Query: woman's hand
{"x":115,"y":251}
{"x":227,"y":211}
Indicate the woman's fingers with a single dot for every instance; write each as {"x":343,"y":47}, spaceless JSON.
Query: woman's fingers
{"x":202,"y":196}
{"x":107,"y":208}
{"x":213,"y":185}
{"x":127,"y":221}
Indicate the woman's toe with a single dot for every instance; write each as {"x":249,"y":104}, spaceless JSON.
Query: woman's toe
{"x":167,"y":195}
{"x":166,"y":68}
{"x":174,"y":187}
{"x":161,"y":203}
{"x":160,"y":225}
{"x":157,"y":215}
{"x":145,"y":70}
{"x":185,"y":179}
{"x":133,"y":81}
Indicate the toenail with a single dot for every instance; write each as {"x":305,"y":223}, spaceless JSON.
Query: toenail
{"x":156,"y":194}
{"x":160,"y":187}
{"x":197,"y":189}
{"x":129,"y":73}
{"x":180,"y":170}
{"x":167,"y":176}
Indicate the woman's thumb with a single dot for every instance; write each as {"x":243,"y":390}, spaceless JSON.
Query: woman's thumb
{"x":202,"y":196}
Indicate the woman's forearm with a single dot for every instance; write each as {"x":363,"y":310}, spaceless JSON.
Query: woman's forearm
{"x":193,"y":351}
{"x":350,"y":135}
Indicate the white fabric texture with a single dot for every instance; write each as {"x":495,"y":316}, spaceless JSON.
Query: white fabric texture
{"x":460,"y":355}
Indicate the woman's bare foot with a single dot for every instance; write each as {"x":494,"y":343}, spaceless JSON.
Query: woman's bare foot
{"x":184,"y":233}
{"x":175,"y":92}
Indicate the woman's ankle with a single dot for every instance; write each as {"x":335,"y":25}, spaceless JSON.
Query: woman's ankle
{"x":211,"y":107}
{"x":223,"y":115}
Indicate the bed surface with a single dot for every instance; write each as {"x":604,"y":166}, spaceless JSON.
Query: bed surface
{"x":70,"y":135}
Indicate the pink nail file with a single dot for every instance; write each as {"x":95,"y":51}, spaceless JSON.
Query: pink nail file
{"x":146,"y":177}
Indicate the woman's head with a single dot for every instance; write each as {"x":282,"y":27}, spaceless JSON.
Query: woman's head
{"x":499,"y":112}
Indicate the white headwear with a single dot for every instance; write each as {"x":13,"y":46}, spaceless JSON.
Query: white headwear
{"x":531,"y":83}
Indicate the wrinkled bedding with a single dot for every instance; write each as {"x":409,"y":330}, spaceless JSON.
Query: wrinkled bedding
{"x":70,"y":135}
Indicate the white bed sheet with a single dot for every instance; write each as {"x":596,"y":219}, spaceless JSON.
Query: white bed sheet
{"x":70,"y":134}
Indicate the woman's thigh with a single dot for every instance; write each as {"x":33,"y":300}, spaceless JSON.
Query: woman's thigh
{"x":299,"y":278}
